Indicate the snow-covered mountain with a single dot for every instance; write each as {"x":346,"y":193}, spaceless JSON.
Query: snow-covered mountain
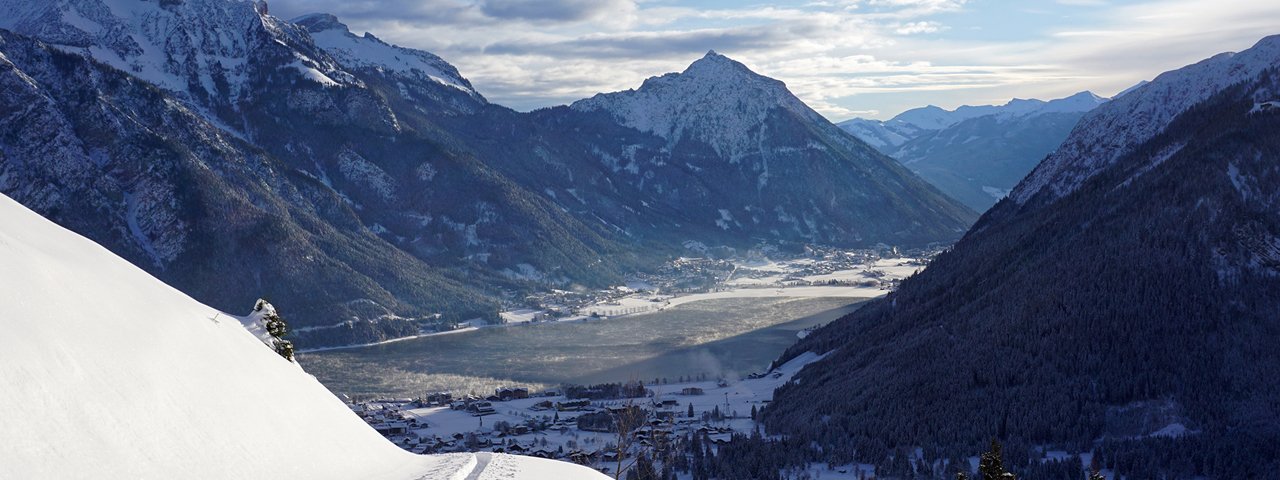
{"x":1109,"y":133}
{"x":368,"y":51}
{"x":205,"y":51}
{"x":410,"y":70}
{"x":976,"y":154}
{"x":717,"y":101}
{"x":1123,"y":302}
{"x":907,"y":125}
{"x":109,"y":373}
{"x":766,"y":161}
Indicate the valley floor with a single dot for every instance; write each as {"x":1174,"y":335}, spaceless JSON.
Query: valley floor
{"x":721,"y":407}
{"x":847,"y":275}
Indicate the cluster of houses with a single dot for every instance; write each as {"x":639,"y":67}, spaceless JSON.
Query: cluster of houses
{"x":388,"y":418}
{"x":554,"y":429}
{"x":481,"y":406}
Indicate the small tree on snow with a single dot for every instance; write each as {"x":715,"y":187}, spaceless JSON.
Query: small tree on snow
{"x":276,"y":327}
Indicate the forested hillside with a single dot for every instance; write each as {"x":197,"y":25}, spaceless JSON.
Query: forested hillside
{"x":1134,"y":316}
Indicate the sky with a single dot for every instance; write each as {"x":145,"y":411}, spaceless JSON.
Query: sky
{"x":844,"y":58}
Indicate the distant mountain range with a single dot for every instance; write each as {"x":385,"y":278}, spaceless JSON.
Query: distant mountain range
{"x":1121,"y":301}
{"x":370,"y":189}
{"x":976,"y":154}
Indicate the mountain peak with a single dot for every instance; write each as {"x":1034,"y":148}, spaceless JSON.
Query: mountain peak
{"x":320,"y":22}
{"x":721,"y":66}
{"x":367,"y":51}
{"x":714,"y":94}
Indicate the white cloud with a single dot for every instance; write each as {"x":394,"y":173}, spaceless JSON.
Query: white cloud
{"x":911,"y":28}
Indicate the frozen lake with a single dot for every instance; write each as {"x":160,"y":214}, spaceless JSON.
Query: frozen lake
{"x":731,"y":336}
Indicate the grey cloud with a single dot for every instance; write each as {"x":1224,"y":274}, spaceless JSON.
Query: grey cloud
{"x":424,"y":11}
{"x":650,"y":45}
{"x":470,"y":12}
{"x":552,"y":10}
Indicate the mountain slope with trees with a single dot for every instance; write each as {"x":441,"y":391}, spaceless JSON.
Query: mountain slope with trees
{"x":1131,"y":311}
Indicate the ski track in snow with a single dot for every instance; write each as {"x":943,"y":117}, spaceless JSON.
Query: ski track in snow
{"x":482,"y":462}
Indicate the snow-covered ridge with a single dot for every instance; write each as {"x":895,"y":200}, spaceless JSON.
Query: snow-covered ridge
{"x":109,"y":373}
{"x":207,"y":51}
{"x":202,"y":50}
{"x":936,"y":118}
{"x":714,"y":91}
{"x":875,"y":133}
{"x":906,"y":125}
{"x":370,"y":52}
{"x":1114,"y":129}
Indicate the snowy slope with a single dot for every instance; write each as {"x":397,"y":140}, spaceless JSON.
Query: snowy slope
{"x":109,"y":373}
{"x":1137,"y":115}
{"x":875,"y":133}
{"x":370,"y":52}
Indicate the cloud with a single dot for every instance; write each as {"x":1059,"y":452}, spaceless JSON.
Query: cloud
{"x":911,"y":28}
{"x":636,"y":45}
{"x":1084,"y":3}
{"x":554,"y":10}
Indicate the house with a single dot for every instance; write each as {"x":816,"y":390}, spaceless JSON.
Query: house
{"x":506,"y":394}
{"x":392,"y":428}
{"x":691,"y":391}
{"x":480,"y":409}
{"x":543,"y":405}
{"x":439,"y":398}
{"x":573,"y":404}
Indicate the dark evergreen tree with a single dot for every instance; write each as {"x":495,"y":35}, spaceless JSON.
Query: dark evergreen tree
{"x":643,"y":469}
{"x":285,"y":349}
{"x":991,"y":465}
{"x":1094,"y":471}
